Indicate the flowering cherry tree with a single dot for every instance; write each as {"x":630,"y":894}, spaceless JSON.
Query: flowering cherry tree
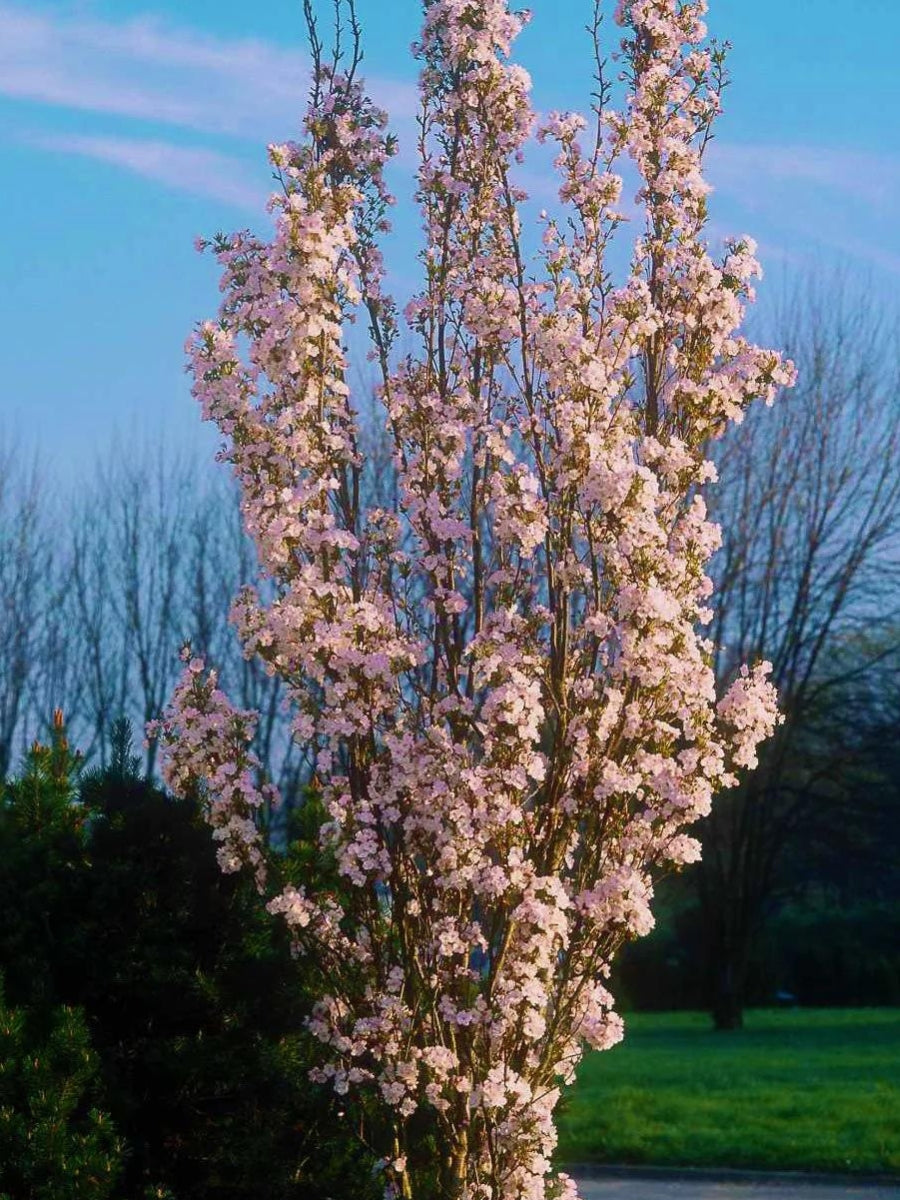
{"x":502,"y":678}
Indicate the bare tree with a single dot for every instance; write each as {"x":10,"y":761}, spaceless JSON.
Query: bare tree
{"x":130,"y":560}
{"x":97,"y":598}
{"x":157,"y":551}
{"x":101,"y":645}
{"x":808,"y":579}
{"x":26,"y":573}
{"x":57,"y":679}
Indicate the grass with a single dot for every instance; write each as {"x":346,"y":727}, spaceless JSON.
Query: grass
{"x":815,"y":1090}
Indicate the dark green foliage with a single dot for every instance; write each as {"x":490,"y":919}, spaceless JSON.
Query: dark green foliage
{"x":55,"y":1144}
{"x":815,"y":951}
{"x":41,"y":868}
{"x":826,"y":954}
{"x":195,"y":1005}
{"x":664,"y":970}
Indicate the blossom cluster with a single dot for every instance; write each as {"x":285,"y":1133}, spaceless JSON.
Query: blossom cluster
{"x":502,"y":680}
{"x":210,"y":741}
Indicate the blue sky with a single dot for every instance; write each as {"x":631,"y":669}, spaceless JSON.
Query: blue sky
{"x":127,"y":127}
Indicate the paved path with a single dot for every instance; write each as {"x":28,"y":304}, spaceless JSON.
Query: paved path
{"x":637,"y":1187}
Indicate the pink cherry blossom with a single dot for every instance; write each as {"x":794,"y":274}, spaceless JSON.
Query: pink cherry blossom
{"x":502,"y":678}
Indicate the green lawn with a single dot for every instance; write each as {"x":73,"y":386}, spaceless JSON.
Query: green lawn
{"x":801,"y":1090}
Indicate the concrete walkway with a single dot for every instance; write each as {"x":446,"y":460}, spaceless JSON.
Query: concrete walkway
{"x":634,"y":1185}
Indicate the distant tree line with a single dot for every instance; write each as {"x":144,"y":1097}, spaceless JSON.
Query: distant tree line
{"x":100,"y":589}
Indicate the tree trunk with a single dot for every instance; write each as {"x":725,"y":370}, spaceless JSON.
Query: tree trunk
{"x":454,"y":1183}
{"x":728,"y":997}
{"x":728,"y":946}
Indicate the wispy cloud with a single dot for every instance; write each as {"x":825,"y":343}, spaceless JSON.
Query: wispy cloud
{"x":147,"y":69}
{"x":156,"y":74}
{"x":820,"y":198}
{"x":873,"y":179}
{"x":188,"y":169}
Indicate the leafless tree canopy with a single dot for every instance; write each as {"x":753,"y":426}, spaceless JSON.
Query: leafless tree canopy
{"x":810,"y":500}
{"x":27,"y":587}
{"x":99,"y":593}
{"x":808,"y":578}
